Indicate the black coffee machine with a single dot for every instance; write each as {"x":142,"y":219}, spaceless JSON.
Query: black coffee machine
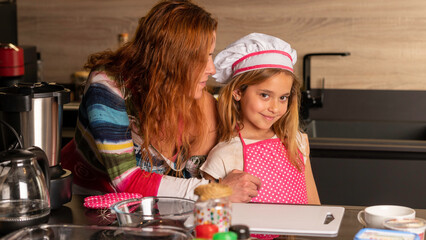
{"x":35,"y":112}
{"x":33,"y":109}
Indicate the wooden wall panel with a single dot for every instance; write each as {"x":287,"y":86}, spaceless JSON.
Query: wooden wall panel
{"x":386,"y":39}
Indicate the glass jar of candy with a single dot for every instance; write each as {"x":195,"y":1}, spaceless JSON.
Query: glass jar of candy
{"x":213,"y":206}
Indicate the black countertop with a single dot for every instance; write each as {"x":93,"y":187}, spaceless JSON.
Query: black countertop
{"x":75,"y":213}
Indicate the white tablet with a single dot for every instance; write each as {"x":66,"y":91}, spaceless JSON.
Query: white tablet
{"x":283,"y":219}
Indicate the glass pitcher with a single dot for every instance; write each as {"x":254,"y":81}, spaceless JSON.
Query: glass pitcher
{"x":24,"y":188}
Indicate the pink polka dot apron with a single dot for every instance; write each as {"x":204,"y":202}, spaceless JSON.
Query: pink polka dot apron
{"x":281,"y":181}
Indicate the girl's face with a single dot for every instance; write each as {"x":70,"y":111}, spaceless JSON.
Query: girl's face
{"x":208,"y":70}
{"x":263,"y":104}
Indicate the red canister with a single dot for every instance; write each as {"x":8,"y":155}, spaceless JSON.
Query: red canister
{"x":11,"y":60}
{"x":206,"y":231}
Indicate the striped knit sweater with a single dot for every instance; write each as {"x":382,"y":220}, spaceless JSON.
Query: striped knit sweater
{"x":104,"y":157}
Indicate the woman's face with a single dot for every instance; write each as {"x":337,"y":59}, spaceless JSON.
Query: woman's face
{"x":208,"y":70}
{"x":263,"y":104}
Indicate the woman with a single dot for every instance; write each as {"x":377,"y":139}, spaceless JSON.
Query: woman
{"x":145,"y":121}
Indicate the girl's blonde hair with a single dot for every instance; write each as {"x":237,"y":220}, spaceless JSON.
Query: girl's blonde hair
{"x":160,"y":67}
{"x":286,"y":128}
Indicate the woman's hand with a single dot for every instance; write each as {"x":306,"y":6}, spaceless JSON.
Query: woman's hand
{"x":244,"y":185}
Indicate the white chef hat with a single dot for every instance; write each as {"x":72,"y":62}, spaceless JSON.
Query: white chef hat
{"x":254,"y":51}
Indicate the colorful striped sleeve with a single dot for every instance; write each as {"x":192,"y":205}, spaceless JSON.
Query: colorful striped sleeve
{"x":106,"y":120}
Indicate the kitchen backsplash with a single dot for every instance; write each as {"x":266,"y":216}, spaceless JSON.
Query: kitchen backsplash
{"x":386,"y":39}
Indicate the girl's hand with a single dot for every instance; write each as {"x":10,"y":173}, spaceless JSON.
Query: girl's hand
{"x":244,"y":185}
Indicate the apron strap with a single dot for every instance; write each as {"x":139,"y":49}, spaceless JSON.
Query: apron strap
{"x":242,"y":140}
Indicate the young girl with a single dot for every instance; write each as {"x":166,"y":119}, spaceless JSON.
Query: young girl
{"x":259,"y":121}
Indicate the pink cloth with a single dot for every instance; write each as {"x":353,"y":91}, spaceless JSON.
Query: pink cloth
{"x":107,"y":200}
{"x":281,"y":181}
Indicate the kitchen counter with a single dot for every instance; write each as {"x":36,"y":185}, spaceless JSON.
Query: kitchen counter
{"x":364,"y":172}
{"x":384,"y":158}
{"x":75,"y":213}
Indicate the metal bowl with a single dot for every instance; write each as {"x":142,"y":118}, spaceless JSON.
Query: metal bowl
{"x":155,"y":211}
{"x":78,"y":232}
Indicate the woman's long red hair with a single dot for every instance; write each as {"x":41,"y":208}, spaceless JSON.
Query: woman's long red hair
{"x":160,"y":68}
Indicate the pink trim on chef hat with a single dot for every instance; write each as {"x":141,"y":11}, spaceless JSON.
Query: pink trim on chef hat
{"x":254,"y":51}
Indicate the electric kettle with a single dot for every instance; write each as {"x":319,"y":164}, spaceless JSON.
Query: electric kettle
{"x":24,"y":188}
